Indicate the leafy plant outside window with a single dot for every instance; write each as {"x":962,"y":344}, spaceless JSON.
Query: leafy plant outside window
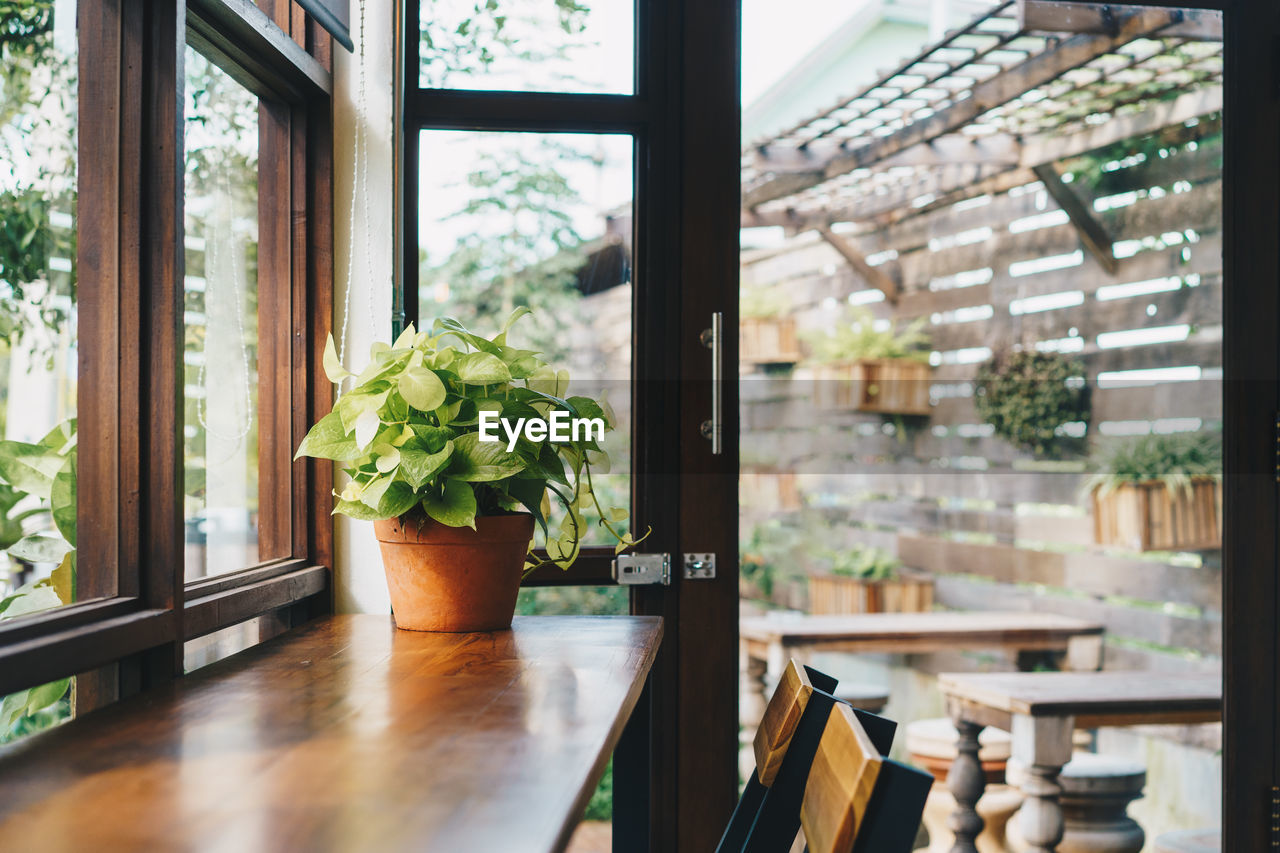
{"x":859,"y":336}
{"x":1176,"y":459}
{"x":39,"y":484}
{"x":1028,"y":396}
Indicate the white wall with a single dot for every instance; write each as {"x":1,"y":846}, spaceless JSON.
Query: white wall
{"x":366,"y":262}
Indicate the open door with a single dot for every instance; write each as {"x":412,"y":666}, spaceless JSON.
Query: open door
{"x":582,"y":161}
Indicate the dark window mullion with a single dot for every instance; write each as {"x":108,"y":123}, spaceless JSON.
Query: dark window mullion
{"x":454,"y":109}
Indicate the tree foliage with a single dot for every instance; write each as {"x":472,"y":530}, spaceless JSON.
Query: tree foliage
{"x":37,"y":171}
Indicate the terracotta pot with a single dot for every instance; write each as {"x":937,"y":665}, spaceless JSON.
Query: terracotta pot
{"x":454,"y":578}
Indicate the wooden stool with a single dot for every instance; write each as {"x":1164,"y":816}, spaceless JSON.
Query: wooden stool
{"x":1190,"y":841}
{"x":1096,"y":792}
{"x":932,"y":744}
{"x":865,"y":697}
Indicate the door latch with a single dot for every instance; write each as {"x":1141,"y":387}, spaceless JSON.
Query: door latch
{"x":642,"y":569}
{"x":699,"y":566}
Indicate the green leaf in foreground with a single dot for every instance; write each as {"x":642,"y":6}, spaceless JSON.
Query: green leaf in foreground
{"x":62,"y":499}
{"x":40,"y":548}
{"x":456,"y":507}
{"x":481,"y":368}
{"x":421,"y":388}
{"x":479,"y":461}
{"x":328,"y":439}
{"x":418,"y":466}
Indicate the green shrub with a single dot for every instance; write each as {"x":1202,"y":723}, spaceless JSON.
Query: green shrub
{"x":1028,"y":395}
{"x":1174,"y":459}
{"x":856,"y":337}
{"x":763,"y":303}
{"x":862,"y":561}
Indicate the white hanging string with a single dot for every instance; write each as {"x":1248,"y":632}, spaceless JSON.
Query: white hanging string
{"x":213,"y":261}
{"x":359,"y":189}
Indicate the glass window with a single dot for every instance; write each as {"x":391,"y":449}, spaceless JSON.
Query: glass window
{"x":220,"y":352}
{"x":543,"y":221}
{"x":560,"y":46}
{"x":37,"y":331}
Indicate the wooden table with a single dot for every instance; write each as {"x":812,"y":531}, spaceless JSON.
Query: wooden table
{"x":345,"y":734}
{"x":768,"y":642}
{"x":1041,"y":710}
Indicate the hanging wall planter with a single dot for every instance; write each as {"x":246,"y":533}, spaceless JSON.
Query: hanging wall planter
{"x":767,"y":341}
{"x":868,"y":580}
{"x":766,"y":332}
{"x":869,"y":366}
{"x":888,"y":386}
{"x":1159,"y":493}
{"x":1031,"y":397}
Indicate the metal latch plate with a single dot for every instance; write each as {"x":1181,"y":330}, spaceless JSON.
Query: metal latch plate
{"x":699,"y":566}
{"x":642,"y":569}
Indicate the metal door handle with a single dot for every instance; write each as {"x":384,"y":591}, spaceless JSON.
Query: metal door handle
{"x":712,"y":339}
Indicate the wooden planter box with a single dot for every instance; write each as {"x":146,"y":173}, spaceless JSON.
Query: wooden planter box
{"x":909,"y":592}
{"x":890,"y":386}
{"x":767,"y":340}
{"x":1149,"y":517}
{"x":769,"y":491}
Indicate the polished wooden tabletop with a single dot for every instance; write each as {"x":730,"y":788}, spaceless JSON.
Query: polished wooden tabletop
{"x":345,"y":734}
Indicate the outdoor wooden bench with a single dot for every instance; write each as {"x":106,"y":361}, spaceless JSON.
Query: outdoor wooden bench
{"x":345,"y":734}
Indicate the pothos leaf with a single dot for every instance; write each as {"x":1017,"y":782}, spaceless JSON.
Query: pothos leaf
{"x":332,"y":364}
{"x":456,"y":505}
{"x":62,"y":499}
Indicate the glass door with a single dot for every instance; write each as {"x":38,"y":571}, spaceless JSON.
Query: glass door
{"x":550,"y":165}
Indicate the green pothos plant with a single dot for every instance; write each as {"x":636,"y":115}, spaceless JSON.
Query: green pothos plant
{"x":39,"y":481}
{"x":409,"y":436}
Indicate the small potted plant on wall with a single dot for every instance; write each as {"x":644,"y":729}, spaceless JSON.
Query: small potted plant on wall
{"x":871,"y":367}
{"x":864,"y":579}
{"x":456,"y":446}
{"x":1158,"y":492}
{"x":766,"y":334}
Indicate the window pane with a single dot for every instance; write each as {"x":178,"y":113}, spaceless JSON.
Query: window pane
{"x":543,"y":221}
{"x":37,"y":331}
{"x":560,"y":46}
{"x":220,"y":353}
{"x":1011,"y":414}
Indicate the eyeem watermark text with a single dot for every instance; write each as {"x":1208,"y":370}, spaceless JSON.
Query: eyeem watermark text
{"x":560,"y":427}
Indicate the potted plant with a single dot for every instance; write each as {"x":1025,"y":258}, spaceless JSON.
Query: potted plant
{"x":1030,"y":396}
{"x":870,"y":366}
{"x":1158,"y":492}
{"x":456,"y":446}
{"x":766,"y":334}
{"x":864,"y":579}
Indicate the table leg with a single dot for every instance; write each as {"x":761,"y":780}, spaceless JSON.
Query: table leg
{"x":966,"y":781}
{"x":1084,"y":653}
{"x":775,"y":665}
{"x":1043,"y":746}
{"x":754,"y":689}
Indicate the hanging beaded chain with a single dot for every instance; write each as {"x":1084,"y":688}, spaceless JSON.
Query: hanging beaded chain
{"x":359,"y":180}
{"x":212,"y":257}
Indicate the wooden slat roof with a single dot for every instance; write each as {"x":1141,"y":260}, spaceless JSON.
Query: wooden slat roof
{"x":986,"y":103}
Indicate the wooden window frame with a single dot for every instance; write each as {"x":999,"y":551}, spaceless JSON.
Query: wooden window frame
{"x":633,"y":115}
{"x":136,"y":611}
{"x":684,"y":118}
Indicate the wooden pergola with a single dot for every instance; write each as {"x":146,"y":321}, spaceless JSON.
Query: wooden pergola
{"x":991,"y":106}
